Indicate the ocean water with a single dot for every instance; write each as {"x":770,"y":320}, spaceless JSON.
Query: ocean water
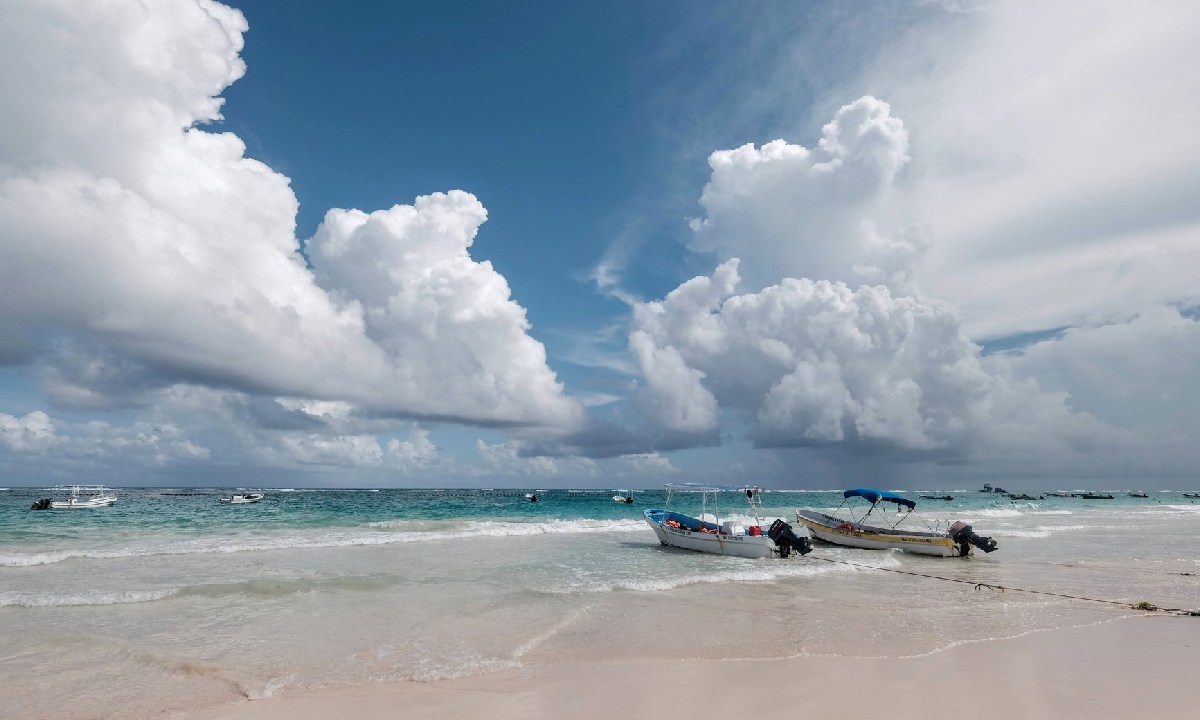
{"x":169,"y":601}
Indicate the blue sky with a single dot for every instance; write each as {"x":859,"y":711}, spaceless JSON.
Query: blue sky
{"x":549,"y":244}
{"x":541,"y":110}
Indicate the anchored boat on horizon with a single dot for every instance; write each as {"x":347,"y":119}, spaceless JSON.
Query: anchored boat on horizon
{"x":246,"y":498}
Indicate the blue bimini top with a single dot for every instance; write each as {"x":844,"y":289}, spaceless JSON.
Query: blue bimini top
{"x":875,"y":496}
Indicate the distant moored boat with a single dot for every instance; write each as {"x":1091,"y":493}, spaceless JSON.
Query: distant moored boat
{"x":78,"y":497}
{"x":242,"y":498}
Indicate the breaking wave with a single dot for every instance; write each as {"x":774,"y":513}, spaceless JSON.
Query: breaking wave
{"x":381,"y":533}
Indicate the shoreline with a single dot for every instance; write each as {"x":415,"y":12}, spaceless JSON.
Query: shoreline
{"x":1139,"y":666}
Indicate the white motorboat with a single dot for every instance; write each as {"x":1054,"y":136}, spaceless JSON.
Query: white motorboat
{"x":627,"y":498}
{"x":708,"y":533}
{"x":243,"y":498}
{"x":77,"y":497}
{"x":956,"y":541}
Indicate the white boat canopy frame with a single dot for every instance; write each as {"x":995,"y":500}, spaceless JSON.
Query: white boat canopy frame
{"x":709,"y":494}
{"x":904,"y":507}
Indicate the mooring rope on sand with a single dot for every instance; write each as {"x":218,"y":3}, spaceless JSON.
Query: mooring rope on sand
{"x":1143,"y":605}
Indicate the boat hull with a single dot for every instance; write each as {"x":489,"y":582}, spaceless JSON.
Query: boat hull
{"x":242,"y":499}
{"x":837,"y":531}
{"x":713,"y":541}
{"x":83,"y":503}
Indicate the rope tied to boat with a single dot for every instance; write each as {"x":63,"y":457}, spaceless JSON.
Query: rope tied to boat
{"x":1142,"y":605}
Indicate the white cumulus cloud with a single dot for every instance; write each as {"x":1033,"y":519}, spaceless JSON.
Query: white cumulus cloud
{"x":32,"y":433}
{"x":815,"y":356}
{"x":457,"y":342}
{"x":812,"y":362}
{"x":787,"y":211}
{"x":139,"y":251}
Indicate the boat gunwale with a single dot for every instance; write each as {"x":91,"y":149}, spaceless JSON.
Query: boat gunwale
{"x":712,"y":536}
{"x":82,"y":497}
{"x":850,"y":528}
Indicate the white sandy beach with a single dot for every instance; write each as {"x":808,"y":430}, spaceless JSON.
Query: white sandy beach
{"x":589,"y":617}
{"x":1138,"y":667}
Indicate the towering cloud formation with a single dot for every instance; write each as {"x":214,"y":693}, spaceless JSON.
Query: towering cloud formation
{"x":811,"y":362}
{"x":138,"y":250}
{"x":808,"y":359}
{"x":456,"y":341}
{"x":787,"y":211}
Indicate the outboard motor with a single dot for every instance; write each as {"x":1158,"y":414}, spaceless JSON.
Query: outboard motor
{"x":43,"y":504}
{"x":962,"y":534}
{"x":787,"y":540}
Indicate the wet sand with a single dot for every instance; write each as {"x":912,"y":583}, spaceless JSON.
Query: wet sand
{"x":1134,"y":667}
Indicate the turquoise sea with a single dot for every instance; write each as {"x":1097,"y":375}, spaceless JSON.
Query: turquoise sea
{"x":170,"y":600}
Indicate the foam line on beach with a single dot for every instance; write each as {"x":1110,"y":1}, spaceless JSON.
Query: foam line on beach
{"x":257,"y":587}
{"x":121,"y":597}
{"x":534,"y":642}
{"x":740,"y":571}
{"x":1001,"y":512}
{"x":1013,"y":636}
{"x":944,"y":647}
{"x":1041,"y":531}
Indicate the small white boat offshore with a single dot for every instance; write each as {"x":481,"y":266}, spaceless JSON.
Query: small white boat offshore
{"x":77,"y":497}
{"x":956,"y":541}
{"x":708,"y":533}
{"x":626,"y":498}
{"x":243,"y":498}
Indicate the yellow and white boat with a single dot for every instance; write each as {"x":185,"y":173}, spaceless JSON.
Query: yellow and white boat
{"x":957,"y":541}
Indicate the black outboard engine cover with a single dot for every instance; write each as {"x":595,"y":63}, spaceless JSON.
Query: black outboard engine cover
{"x":961,"y":533}
{"x":787,"y":540}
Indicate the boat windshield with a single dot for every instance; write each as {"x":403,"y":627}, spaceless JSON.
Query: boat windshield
{"x":709,"y":493}
{"x":76,"y":490}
